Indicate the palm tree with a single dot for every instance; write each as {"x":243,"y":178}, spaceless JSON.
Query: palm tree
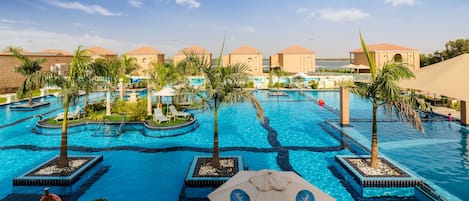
{"x":128,"y":65}
{"x":384,"y":91}
{"x":80,"y":69}
{"x":69,"y":94}
{"x":164,"y":74}
{"x":278,"y":72}
{"x":223,"y":86}
{"x":13,"y":49}
{"x":31,"y":70}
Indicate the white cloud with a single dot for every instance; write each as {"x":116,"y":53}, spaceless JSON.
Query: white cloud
{"x":245,"y":29}
{"x":135,"y":3}
{"x":37,"y":40}
{"x":308,"y":13}
{"x":401,"y":2}
{"x":10,"y":21}
{"x":190,"y":3}
{"x":352,"y":14}
{"x":333,"y":15}
{"x":90,"y":9}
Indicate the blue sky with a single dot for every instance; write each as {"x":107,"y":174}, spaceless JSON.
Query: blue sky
{"x":329,"y":27}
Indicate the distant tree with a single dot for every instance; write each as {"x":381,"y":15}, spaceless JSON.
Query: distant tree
{"x":163,"y":74}
{"x":278,"y":72}
{"x":452,"y":49}
{"x":128,"y":65}
{"x":455,"y":48}
{"x":31,"y":70}
{"x":13,"y":49}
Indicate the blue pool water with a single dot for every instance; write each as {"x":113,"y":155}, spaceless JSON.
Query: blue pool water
{"x":143,"y":168}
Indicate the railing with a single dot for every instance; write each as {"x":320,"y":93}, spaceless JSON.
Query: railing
{"x":122,"y":125}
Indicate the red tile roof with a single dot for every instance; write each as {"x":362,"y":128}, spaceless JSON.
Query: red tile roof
{"x":296,"y":49}
{"x":246,"y":50}
{"x":57,"y":51}
{"x":195,"y":49}
{"x":383,"y":46}
{"x":101,"y":51}
{"x":144,"y":50}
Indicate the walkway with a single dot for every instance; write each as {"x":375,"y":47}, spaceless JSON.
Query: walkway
{"x":445,"y":111}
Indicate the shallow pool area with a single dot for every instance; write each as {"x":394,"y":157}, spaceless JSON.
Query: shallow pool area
{"x":298,"y":135}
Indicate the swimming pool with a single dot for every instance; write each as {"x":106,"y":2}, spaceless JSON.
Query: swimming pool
{"x":144,"y":168}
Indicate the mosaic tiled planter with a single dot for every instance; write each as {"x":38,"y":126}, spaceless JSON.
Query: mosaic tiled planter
{"x":27,"y":107}
{"x":198,"y":187}
{"x":402,"y":185}
{"x":61,"y":185}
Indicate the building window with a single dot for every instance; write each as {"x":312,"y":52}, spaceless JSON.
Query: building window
{"x":144,"y":60}
{"x":249,"y":60}
{"x":397,"y":58}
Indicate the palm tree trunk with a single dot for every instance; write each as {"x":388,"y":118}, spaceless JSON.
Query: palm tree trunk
{"x":278,"y":84}
{"x":85,"y":104}
{"x":374,"y":137}
{"x":63,"y":158}
{"x":216,"y":155}
{"x":30,"y":97}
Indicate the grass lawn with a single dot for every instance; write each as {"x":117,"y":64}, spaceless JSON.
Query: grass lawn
{"x":170,"y":123}
{"x":113,"y":118}
{"x":52,"y":121}
{"x":3,"y":100}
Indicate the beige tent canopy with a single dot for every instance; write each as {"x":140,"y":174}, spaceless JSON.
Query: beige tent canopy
{"x":449,"y":78}
{"x":268,"y":185}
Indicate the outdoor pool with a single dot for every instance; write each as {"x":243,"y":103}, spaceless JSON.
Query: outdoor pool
{"x":296,"y":136}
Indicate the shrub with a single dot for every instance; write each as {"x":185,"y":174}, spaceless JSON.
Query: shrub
{"x":249,"y":84}
{"x":455,"y":105}
{"x":314,"y":84}
{"x":279,"y":85}
{"x":95,"y":107}
{"x":137,"y":111}
{"x":134,"y":111}
{"x":119,"y":107}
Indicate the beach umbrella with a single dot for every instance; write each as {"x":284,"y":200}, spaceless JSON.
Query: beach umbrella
{"x":268,"y":185}
{"x":301,"y":74}
{"x":355,"y":67}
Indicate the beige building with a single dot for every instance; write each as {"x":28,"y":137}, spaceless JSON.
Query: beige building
{"x":247,"y":55}
{"x":10,"y":80}
{"x":385,"y":53}
{"x":295,"y":59}
{"x":194,"y":49}
{"x":145,"y":56}
{"x":99,"y":52}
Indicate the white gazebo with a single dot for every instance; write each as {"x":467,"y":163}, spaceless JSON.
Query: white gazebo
{"x":165,"y":92}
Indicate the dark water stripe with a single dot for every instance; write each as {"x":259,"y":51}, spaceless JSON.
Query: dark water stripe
{"x":173,"y":149}
{"x":26,"y":118}
{"x":283,"y":160}
{"x":271,"y":133}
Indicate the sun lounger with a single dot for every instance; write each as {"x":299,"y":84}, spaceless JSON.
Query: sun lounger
{"x":158,"y":116}
{"x":71,"y":115}
{"x":176,"y":113}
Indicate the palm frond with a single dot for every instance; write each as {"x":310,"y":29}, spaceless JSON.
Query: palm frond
{"x":370,"y":59}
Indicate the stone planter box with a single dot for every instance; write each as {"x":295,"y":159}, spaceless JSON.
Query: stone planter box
{"x":369,"y":186}
{"x":27,"y":107}
{"x":198,"y":187}
{"x":60,"y":185}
